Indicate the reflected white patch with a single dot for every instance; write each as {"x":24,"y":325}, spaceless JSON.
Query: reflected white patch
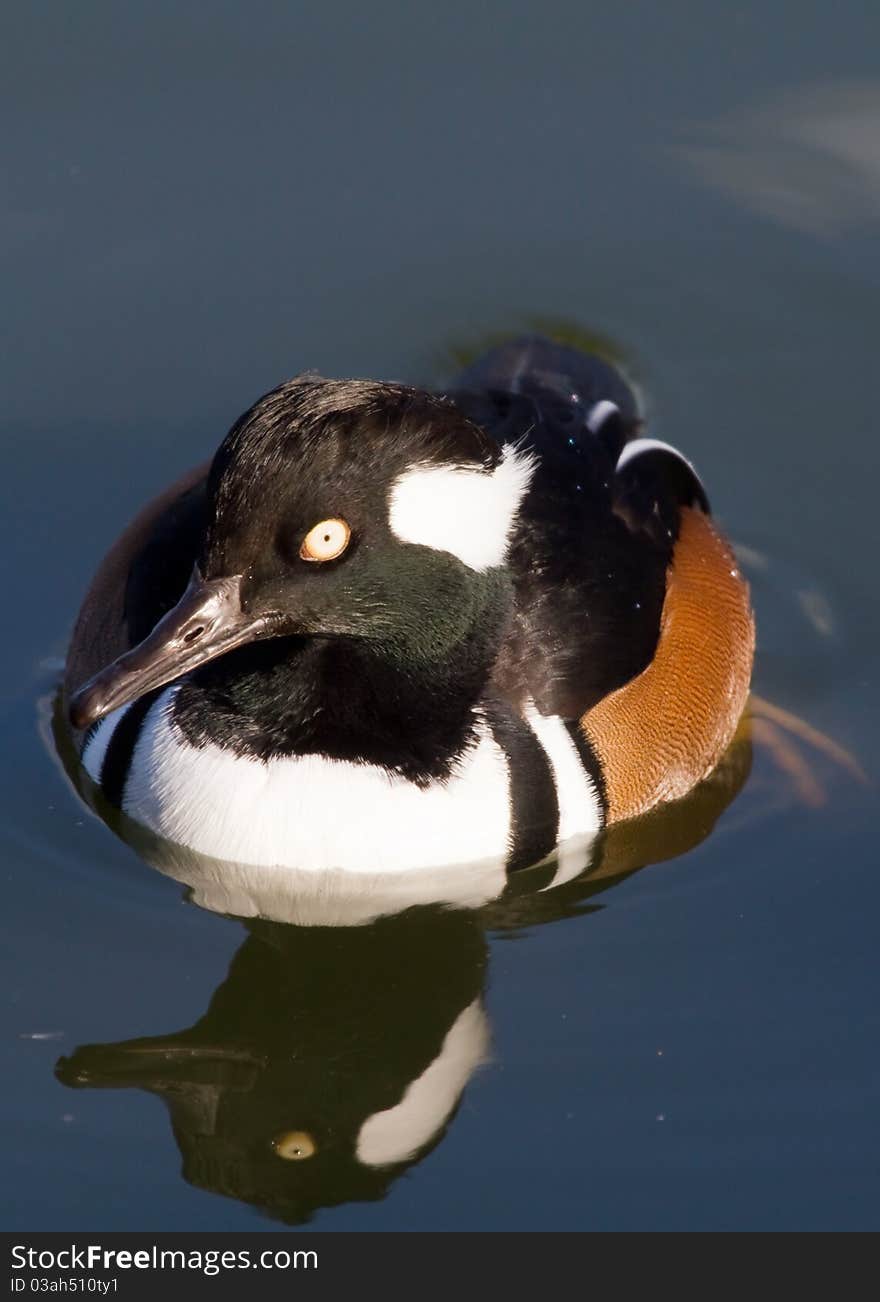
{"x":331,"y":899}
{"x":307,"y":899}
{"x":580,"y":809}
{"x":313,"y":813}
{"x":402,"y":1131}
{"x":92,"y":757}
{"x":817,"y":609}
{"x":469,"y":513}
{"x":809,"y":159}
{"x":750,"y":557}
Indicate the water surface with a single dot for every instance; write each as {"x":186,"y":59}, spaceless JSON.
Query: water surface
{"x":196,"y":207}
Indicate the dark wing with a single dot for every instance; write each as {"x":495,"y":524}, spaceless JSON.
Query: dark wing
{"x":141,"y":577}
{"x":597,"y":527}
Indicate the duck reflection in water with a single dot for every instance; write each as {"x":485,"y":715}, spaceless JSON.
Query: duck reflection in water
{"x":334,"y":1057}
{"x":327,"y":1061}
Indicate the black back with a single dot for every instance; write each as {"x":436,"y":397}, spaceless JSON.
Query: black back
{"x":592,"y":548}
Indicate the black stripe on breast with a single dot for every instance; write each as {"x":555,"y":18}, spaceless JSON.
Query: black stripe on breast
{"x":120,"y":748}
{"x":534,"y":806}
{"x":590,"y":761}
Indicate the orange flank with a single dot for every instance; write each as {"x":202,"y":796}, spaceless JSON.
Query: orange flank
{"x":667,"y":729}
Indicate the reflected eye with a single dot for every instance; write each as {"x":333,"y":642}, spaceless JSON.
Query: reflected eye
{"x":325,"y":541}
{"x":294,"y":1145}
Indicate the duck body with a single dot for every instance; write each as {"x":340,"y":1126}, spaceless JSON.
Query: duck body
{"x":390,"y":631}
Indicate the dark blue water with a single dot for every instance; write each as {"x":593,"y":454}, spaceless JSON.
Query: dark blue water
{"x":197,"y":204}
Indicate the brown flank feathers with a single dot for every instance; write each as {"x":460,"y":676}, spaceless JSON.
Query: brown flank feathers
{"x":664,"y":731}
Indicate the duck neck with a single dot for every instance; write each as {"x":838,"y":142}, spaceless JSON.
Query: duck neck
{"x":406,"y":703}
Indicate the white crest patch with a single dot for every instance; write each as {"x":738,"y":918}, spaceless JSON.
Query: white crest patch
{"x":461,"y":510}
{"x":400,"y":1132}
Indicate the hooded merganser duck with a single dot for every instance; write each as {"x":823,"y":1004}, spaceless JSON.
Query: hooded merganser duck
{"x":388,"y":629}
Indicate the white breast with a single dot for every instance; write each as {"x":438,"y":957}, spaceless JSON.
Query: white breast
{"x":314,"y":813}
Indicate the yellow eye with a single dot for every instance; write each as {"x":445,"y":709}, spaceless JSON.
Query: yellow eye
{"x":294,"y":1145}
{"x":325,"y":541}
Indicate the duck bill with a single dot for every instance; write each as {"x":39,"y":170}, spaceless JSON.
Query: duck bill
{"x":207,"y":622}
{"x":158,"y":1061}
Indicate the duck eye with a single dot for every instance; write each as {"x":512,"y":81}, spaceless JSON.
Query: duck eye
{"x":325,"y":541}
{"x":295,"y":1145}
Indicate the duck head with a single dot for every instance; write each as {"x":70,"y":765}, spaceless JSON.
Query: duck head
{"x":353,"y":510}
